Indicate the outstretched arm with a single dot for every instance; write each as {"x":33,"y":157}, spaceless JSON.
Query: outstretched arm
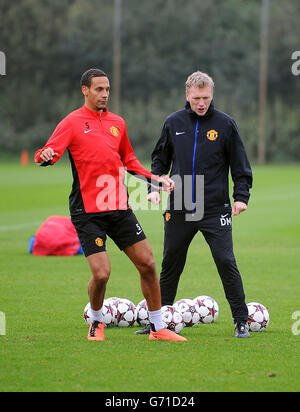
{"x":56,"y":145}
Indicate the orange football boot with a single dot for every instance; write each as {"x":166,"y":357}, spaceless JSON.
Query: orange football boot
{"x":166,"y":334}
{"x":96,"y":331}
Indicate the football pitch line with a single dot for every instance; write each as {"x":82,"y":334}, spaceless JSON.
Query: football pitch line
{"x":19,"y":226}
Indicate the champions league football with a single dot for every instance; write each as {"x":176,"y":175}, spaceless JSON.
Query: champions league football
{"x":125,"y":314}
{"x":201,"y":310}
{"x":258,"y":317}
{"x":142,"y":315}
{"x":189,"y":310}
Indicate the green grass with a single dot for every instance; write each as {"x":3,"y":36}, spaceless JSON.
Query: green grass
{"x":45,"y":346}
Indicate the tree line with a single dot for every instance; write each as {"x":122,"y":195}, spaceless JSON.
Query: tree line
{"x":48,"y":44}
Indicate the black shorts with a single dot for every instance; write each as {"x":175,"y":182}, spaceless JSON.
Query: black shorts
{"x":121,"y":226}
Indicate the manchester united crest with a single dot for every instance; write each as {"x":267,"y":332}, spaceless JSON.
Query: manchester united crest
{"x":99,"y":241}
{"x":212,"y":135}
{"x":114,"y":131}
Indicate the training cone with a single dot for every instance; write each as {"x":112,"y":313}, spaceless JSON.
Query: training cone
{"x":24,"y":158}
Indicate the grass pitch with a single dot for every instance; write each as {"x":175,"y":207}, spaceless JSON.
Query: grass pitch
{"x":45,"y":346}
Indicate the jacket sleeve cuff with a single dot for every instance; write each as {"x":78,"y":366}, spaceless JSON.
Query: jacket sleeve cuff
{"x":241,"y":198}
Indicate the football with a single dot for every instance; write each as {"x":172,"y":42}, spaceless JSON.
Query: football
{"x":107,"y":310}
{"x":86,"y":314}
{"x":258,"y":317}
{"x":142,"y":315}
{"x":172,"y":319}
{"x":112,"y":301}
{"x":125,"y":314}
{"x":208,"y":309}
{"x":189,"y":310}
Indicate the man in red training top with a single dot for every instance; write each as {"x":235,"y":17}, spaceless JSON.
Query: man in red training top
{"x":99,"y":151}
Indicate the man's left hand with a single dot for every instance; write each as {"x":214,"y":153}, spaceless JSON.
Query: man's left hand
{"x":238,"y":208}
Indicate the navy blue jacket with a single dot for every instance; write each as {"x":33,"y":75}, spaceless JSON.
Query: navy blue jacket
{"x":208,"y":145}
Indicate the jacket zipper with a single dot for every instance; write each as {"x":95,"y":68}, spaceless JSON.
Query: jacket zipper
{"x":194,"y":159}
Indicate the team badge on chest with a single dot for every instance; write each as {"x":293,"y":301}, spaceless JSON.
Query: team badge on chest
{"x":212,"y":135}
{"x":114,"y":131}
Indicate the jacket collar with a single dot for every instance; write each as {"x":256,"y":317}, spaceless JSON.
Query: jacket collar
{"x":207,"y":115}
{"x":94,"y":113}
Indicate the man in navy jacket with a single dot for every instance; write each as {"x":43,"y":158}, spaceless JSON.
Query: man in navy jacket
{"x":200,"y":144}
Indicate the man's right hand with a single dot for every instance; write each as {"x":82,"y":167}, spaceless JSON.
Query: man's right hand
{"x":154,"y":197}
{"x":167,"y":184}
{"x":47,"y":154}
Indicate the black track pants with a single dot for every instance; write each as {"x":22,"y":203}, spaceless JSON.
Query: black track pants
{"x":217,"y":232}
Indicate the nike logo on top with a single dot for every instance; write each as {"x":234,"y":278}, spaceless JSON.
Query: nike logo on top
{"x":88,"y":131}
{"x":178,"y":133}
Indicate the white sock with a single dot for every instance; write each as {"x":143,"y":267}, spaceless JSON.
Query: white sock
{"x":96,"y":315}
{"x":156,"y":320}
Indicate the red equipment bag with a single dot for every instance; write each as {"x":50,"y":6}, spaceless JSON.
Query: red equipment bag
{"x":57,"y":236}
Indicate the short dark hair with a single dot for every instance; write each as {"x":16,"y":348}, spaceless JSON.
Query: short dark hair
{"x":86,"y":78}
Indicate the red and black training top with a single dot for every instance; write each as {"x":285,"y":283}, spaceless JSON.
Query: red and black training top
{"x":99,"y":151}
